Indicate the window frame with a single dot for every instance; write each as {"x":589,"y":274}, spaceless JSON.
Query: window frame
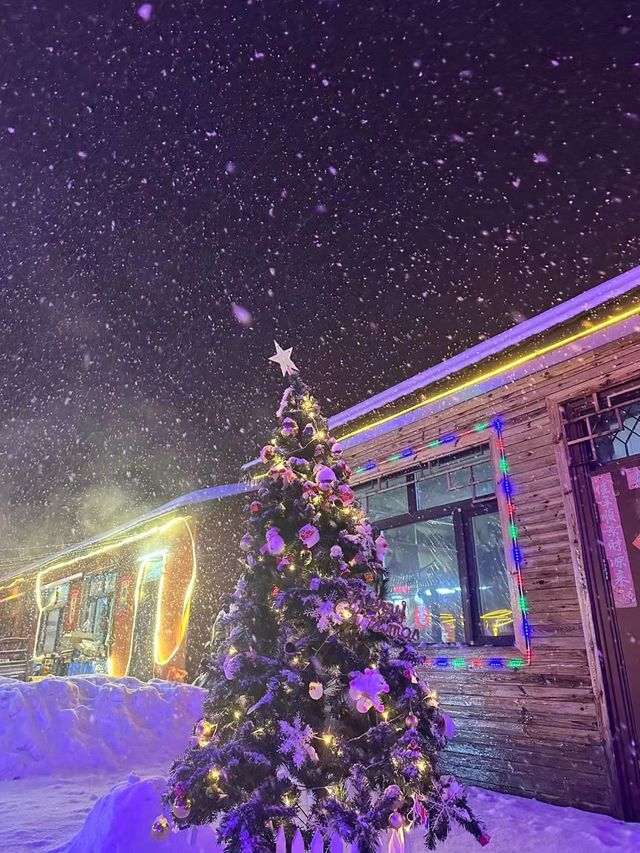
{"x":462,"y":512}
{"x":42,"y":627}
{"x":92,"y":599}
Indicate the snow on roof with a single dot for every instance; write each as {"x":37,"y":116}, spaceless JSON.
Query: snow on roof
{"x":213,"y":493}
{"x":563,"y":313}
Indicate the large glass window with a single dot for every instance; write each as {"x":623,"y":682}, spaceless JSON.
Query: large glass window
{"x":422,"y":561}
{"x":446,"y":556}
{"x":54,"y":601}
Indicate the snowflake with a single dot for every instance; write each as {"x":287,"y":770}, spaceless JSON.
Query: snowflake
{"x":296,"y":741}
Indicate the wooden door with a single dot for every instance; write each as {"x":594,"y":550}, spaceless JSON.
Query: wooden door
{"x":616,"y":489}
{"x":603,"y":441}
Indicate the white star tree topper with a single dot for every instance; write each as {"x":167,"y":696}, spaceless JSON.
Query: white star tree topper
{"x":284,"y":361}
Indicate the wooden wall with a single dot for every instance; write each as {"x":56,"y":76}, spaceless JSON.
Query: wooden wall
{"x":537,"y":731}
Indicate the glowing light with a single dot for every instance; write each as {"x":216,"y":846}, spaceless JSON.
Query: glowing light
{"x":504,"y":617}
{"x":327,"y":738}
{"x":186,"y":606}
{"x":13,"y":583}
{"x":11,"y":596}
{"x":105,"y":549}
{"x":497,"y":371}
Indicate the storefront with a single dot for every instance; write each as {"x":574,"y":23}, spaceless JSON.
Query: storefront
{"x":506,"y":482}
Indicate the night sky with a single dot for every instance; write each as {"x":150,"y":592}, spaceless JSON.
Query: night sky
{"x":379,"y":184}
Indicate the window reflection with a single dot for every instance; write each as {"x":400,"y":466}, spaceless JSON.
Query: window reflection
{"x":496,"y":618}
{"x":422,"y":561}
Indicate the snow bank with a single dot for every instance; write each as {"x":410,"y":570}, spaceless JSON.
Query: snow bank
{"x":70,"y":725}
{"x":67,"y":741}
{"x":120,"y":822}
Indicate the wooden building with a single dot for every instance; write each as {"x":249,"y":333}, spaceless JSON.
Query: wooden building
{"x":507,"y":482}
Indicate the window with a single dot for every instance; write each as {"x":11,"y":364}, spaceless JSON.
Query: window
{"x":54,"y":600}
{"x":604,"y":427}
{"x":446,"y":556}
{"x":99,"y":606}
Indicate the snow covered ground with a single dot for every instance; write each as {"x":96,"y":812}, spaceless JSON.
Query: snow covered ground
{"x":82,"y":762}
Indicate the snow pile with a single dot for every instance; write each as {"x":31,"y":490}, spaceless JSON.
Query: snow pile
{"x":70,"y":725}
{"x":121,"y":820}
{"x":67,"y":744}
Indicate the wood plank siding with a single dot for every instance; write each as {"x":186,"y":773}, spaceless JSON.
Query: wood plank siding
{"x":540,"y":730}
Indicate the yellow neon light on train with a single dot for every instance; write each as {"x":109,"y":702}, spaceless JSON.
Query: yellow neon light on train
{"x":186,"y":606}
{"x":12,"y":584}
{"x":491,"y":374}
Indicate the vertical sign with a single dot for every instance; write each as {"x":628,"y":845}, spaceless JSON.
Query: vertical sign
{"x":615,"y":547}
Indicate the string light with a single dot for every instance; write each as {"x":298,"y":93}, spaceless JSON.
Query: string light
{"x":497,"y":371}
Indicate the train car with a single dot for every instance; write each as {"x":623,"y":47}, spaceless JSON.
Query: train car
{"x":138,"y":600}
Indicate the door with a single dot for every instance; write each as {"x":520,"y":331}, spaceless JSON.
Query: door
{"x":616,"y":489}
{"x":603,"y":440}
{"x":141,"y":663}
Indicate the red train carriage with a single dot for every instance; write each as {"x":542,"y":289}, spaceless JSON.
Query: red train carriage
{"x":137,"y":601}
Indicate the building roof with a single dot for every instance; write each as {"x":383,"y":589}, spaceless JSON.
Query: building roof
{"x":213,"y":493}
{"x":606,"y":312}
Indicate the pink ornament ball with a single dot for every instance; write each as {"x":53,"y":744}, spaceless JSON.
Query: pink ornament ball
{"x":325,"y":478}
{"x":267,"y":453}
{"x":289,"y":427}
{"x":309,"y":535}
{"x":396,"y":820}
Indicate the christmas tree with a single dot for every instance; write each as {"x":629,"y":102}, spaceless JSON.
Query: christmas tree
{"x":317,"y":715}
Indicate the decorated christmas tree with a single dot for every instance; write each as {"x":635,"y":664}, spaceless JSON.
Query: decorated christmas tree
{"x":318,"y":716}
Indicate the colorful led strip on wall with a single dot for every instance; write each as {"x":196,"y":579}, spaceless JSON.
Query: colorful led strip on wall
{"x":516,"y":554}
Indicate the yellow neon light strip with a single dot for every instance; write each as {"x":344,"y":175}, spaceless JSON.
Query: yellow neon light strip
{"x":12,"y":596}
{"x":97,"y":551}
{"x":184,"y":621}
{"x":490,"y":374}
{"x":13,"y":583}
{"x":136,"y":598}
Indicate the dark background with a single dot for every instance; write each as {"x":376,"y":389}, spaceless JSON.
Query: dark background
{"x":380,"y":185}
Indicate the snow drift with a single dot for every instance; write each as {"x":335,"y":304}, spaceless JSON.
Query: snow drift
{"x":70,"y":725}
{"x":120,"y":823}
{"x":70,"y":742}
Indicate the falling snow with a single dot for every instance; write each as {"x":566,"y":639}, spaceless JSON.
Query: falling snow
{"x":379,"y":185}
